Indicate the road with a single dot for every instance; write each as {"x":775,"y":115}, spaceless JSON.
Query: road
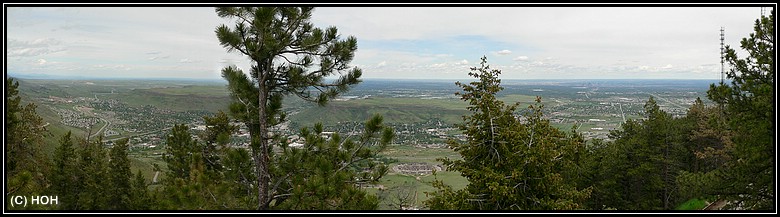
{"x":669,"y":101}
{"x":622,"y":113}
{"x":108,"y":123}
{"x":150,"y":132}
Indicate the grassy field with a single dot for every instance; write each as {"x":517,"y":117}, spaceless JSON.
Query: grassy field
{"x":394,"y":110}
{"x":524,"y":100}
{"x":55,"y":129}
{"x":146,"y":166}
{"x":409,"y":154}
{"x":692,"y":204}
{"x":207,"y":98}
{"x":192,"y":90}
{"x":394,"y":183}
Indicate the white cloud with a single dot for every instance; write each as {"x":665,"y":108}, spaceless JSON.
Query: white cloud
{"x":229,"y":61}
{"x":504,"y":52}
{"x":439,"y":65}
{"x":41,"y":61}
{"x":37,"y":47}
{"x":185,"y":60}
{"x":668,"y":66}
{"x":111,"y":67}
{"x":158,"y":57}
{"x":520,"y":58}
{"x":381,"y":64}
{"x":463,"y":62}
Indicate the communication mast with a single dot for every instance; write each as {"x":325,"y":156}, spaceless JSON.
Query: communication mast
{"x":722,"y":73}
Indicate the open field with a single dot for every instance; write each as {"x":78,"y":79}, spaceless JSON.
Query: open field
{"x":394,"y":110}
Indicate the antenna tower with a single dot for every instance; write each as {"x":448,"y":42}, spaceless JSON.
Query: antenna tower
{"x":722,"y":73}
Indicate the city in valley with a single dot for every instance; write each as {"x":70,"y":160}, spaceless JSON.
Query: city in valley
{"x":423,"y":113}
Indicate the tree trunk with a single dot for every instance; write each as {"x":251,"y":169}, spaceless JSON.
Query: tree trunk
{"x":261,"y":158}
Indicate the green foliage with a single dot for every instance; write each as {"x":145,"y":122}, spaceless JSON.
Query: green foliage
{"x":218,"y":129}
{"x":208,"y":176}
{"x":510,"y":164}
{"x":264,"y":34}
{"x":178,"y":151}
{"x":65,"y":183}
{"x":327,"y":173}
{"x":140,"y":198}
{"x":200,"y":190}
{"x":26,"y":165}
{"x":692,"y":204}
{"x":216,"y":137}
{"x":93,"y":172}
{"x":238,"y":173}
{"x":119,"y":177}
{"x":83,"y":176}
{"x":719,"y":152}
{"x":639,"y":170}
{"x":709,"y":137}
{"x":747,"y":177}
{"x":289,"y":56}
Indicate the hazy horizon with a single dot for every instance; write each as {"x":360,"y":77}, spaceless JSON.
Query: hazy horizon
{"x":46,"y":77}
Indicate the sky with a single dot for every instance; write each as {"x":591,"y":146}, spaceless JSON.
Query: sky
{"x":523,"y":41}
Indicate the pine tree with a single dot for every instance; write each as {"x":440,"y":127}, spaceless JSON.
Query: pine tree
{"x":179,"y":150}
{"x":326,"y":174}
{"x":748,"y":177}
{"x":708,"y":140}
{"x":640,"y":169}
{"x":26,"y":165}
{"x":204,"y":176}
{"x":64,"y":179}
{"x":140,"y":199}
{"x":709,"y":137}
{"x":509,"y":163}
{"x":216,"y":138}
{"x":181,"y":189}
{"x":119,"y":176}
{"x":283,"y":47}
{"x":93,"y":172}
{"x":239,"y":176}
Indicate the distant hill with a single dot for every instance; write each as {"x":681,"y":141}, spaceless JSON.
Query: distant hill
{"x":208,"y":98}
{"x":394,"y":110}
